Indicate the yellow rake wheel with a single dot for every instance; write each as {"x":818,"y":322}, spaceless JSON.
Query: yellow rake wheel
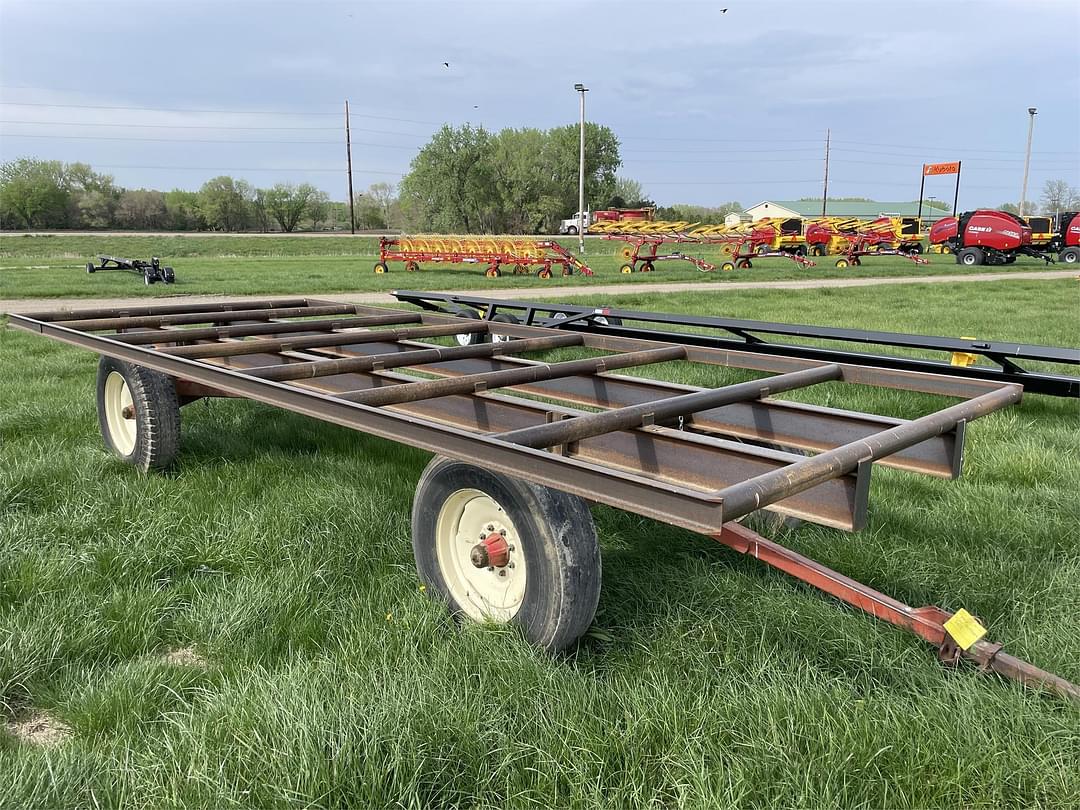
{"x":627,"y":252}
{"x":841,"y":263}
{"x":626,"y":268}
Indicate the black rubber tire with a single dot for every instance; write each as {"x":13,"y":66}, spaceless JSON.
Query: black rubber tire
{"x":157,"y":414}
{"x":558,"y":541}
{"x":381,"y":267}
{"x":468,"y":338}
{"x":90,"y":267}
{"x":1069,"y":255}
{"x":727,"y":267}
{"x":745,"y":264}
{"x":970,"y":257}
{"x":607,"y":320}
{"x":169,"y":275}
{"x":571,"y":231}
{"x":648,"y":267}
{"x":503,"y":317}
{"x":916,"y":249}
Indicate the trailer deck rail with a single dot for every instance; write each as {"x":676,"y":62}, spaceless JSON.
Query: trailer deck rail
{"x":1009,"y":362}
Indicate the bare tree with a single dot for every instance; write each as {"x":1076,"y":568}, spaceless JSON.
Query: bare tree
{"x":384,"y":196}
{"x":1058,"y":196}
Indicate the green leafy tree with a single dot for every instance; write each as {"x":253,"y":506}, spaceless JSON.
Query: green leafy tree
{"x":183,"y":211}
{"x":224,"y":205}
{"x":318,"y":208}
{"x":449,"y":186}
{"x":35,"y":194}
{"x":287,"y":203}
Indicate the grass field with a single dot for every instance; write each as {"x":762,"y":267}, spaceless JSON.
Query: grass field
{"x":248,"y":629}
{"x":55,"y":266}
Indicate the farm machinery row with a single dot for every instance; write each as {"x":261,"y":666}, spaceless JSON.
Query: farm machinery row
{"x":522,"y":255}
{"x":792,"y":238}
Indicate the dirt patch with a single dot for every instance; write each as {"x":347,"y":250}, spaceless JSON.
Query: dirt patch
{"x":184,"y":657}
{"x":40,"y":729}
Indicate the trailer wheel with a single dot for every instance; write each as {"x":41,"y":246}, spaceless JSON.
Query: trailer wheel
{"x":468,"y":338}
{"x":647,"y":267}
{"x":970,"y":257}
{"x":761,"y":250}
{"x":503,"y":317}
{"x":856,"y":261}
{"x":501,"y":549}
{"x":817,"y":250}
{"x":169,"y":275}
{"x":412,"y":267}
{"x":572,"y":230}
{"x":90,"y":267}
{"x":543,"y":272}
{"x":745,"y":264}
{"x":841,"y":263}
{"x":139,"y":414}
{"x":1069,"y":256}
{"x":916,"y":248}
{"x":493,"y":272}
{"x":380,"y":268}
{"x":727,"y":266}
{"x":626,"y":268}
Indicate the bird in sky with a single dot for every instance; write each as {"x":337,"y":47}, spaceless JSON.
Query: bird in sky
{"x":446,"y":64}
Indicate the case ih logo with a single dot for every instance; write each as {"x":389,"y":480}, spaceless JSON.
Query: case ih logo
{"x":1074,"y":229}
{"x":988,"y":229}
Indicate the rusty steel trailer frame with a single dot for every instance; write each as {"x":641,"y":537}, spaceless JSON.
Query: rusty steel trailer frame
{"x":675,"y":453}
{"x":1011,"y":361}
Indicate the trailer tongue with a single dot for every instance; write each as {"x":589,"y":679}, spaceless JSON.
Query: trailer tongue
{"x":501,"y":524}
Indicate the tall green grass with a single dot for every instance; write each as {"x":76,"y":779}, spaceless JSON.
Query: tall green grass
{"x":279,"y":550}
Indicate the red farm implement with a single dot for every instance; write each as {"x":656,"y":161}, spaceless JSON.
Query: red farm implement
{"x":521,"y":254}
{"x":744,"y":248}
{"x":641,"y":251}
{"x":876,"y":238}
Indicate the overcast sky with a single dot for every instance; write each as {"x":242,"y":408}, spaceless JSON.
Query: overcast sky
{"x":708,"y":106}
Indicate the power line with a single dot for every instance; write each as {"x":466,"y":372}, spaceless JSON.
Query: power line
{"x":217,"y":111}
{"x":243,"y":169}
{"x":191,"y":140}
{"x":203,"y":126}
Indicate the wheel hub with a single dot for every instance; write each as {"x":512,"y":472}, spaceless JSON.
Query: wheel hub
{"x":492,"y":552}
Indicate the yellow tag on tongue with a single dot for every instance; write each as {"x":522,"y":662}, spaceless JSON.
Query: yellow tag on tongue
{"x":964,"y":629}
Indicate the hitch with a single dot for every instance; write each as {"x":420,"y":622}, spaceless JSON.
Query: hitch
{"x":955,"y":635}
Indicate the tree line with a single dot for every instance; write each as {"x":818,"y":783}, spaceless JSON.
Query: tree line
{"x":50,"y":194}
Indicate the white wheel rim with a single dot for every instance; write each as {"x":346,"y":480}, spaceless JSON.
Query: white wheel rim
{"x":464,"y":338}
{"x":465,"y":518}
{"x":122,"y":430}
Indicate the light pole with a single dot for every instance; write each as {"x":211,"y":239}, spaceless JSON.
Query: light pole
{"x":1027,"y":159}
{"x":582,"y":90}
{"x":930,"y":204}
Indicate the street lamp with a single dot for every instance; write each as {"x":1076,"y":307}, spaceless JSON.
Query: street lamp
{"x":1027,"y":159}
{"x":930,"y":204}
{"x":582,"y":90}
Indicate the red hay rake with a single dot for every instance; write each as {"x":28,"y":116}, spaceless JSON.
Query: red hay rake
{"x":521,"y":254}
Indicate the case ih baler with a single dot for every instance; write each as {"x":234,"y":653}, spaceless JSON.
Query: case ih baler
{"x":1066,"y":237}
{"x":986,"y":237}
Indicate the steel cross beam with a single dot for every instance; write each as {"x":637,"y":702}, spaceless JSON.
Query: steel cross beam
{"x":271,"y":346}
{"x":429,"y":389}
{"x":253,"y":329}
{"x":570,"y":430}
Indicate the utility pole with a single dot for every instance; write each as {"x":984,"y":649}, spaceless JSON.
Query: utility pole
{"x":1027,"y":158}
{"x":582,"y":90}
{"x":825,"y":193}
{"x":348,"y":158}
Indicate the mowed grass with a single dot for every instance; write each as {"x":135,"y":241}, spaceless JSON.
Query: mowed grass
{"x":278,"y":550}
{"x":55,"y":266}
